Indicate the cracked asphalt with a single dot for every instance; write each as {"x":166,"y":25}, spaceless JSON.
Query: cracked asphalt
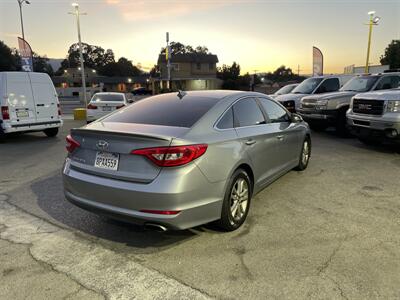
{"x":331,"y":232}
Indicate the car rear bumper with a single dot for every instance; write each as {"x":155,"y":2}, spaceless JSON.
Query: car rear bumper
{"x":198,"y":200}
{"x":8,"y":127}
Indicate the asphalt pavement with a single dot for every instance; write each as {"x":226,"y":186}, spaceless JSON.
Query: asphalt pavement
{"x":328,"y":232}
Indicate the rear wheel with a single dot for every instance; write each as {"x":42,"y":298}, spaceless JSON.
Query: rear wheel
{"x":304,"y":155}
{"x":51,"y":132}
{"x":236,"y":202}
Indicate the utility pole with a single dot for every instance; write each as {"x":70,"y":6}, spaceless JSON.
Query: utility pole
{"x":372,"y":21}
{"x":253,"y":82}
{"x":77,"y":14}
{"x":298,"y":70}
{"x":168,"y":57}
{"x":20,"y":2}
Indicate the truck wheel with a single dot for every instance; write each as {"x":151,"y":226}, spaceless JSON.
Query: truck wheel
{"x":236,"y":202}
{"x":341,"y":123}
{"x":51,"y":132}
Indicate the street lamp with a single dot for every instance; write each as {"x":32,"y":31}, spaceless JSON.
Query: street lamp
{"x":373,"y":20}
{"x":20,"y":2}
{"x":82,"y":68}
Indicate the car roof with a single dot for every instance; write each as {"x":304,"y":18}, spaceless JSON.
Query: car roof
{"x":109,"y":93}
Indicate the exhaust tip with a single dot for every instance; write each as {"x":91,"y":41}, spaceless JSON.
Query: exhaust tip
{"x":155,"y":227}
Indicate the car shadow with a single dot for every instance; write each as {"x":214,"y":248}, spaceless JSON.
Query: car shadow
{"x":51,"y":200}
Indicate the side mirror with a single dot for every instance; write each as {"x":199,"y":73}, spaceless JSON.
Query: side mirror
{"x":295,"y":118}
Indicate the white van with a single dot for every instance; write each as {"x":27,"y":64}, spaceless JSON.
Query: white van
{"x":28,"y":102}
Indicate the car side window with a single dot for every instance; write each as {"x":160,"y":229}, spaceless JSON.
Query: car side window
{"x":247,"y":113}
{"x":329,"y":85}
{"x":276,"y":113}
{"x":226,"y":121}
{"x":388,"y":82}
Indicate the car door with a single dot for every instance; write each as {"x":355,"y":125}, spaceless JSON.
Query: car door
{"x":288,"y":134}
{"x":257,"y":137}
{"x":20,"y":99}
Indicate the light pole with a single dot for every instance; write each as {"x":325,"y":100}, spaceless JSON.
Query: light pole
{"x":20,"y":2}
{"x":77,"y":14}
{"x":372,"y":21}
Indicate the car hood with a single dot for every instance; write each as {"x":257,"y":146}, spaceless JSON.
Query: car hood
{"x":381,"y":95}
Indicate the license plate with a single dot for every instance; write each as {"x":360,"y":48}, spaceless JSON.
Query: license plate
{"x":22,"y":114}
{"x":107,"y":161}
{"x":106,"y":108}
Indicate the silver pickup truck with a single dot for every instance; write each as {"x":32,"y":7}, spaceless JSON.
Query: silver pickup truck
{"x":375,"y":117}
{"x":325,"y":110}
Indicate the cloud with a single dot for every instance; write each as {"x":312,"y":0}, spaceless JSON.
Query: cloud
{"x":153,"y":9}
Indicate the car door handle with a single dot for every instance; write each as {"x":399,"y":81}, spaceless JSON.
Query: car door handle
{"x":250,"y":142}
{"x":39,"y":104}
{"x":279,"y":137}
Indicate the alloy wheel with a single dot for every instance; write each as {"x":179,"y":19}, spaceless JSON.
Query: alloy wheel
{"x":239,"y":199}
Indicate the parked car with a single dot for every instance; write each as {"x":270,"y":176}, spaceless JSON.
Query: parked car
{"x":375,"y":117}
{"x":284,"y":90}
{"x":321,"y":111}
{"x":102,"y":104}
{"x":181,"y":160}
{"x":311,"y":86}
{"x":28,"y":103}
{"x":141,"y":91}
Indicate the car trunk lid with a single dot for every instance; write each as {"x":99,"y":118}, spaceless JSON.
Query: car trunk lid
{"x":105,"y":149}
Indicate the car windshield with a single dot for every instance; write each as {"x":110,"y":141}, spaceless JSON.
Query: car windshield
{"x":107,"y":97}
{"x":307,"y":86}
{"x":360,"y":84}
{"x":285,"y":90}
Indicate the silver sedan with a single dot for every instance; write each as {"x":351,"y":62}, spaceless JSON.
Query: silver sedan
{"x":179,"y":160}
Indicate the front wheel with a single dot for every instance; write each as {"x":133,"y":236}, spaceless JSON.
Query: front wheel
{"x":51,"y":132}
{"x":304,"y":155}
{"x":236,"y":202}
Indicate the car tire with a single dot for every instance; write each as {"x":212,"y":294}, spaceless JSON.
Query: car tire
{"x":51,"y":132}
{"x":236,"y":202}
{"x":305,"y":154}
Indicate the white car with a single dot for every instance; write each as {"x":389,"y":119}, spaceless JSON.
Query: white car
{"x":28,"y":102}
{"x":102,"y":104}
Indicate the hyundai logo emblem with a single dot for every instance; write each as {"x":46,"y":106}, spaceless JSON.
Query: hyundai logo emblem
{"x":102,"y":145}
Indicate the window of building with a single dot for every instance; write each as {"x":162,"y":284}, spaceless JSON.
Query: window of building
{"x":198,"y":66}
{"x":211,"y":66}
{"x":175,"y":67}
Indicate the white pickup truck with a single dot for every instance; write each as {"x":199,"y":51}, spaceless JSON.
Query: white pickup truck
{"x":375,"y":117}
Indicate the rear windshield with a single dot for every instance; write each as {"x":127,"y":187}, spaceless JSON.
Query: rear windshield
{"x":165,"y":110}
{"x":107,"y":97}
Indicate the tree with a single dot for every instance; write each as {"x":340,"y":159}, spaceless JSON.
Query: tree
{"x":9,"y":58}
{"x":392,"y":55}
{"x":95,"y":57}
{"x":123,"y":67}
{"x":40,"y":64}
{"x":229,"y":72}
{"x":231,"y":77}
{"x":179,"y":48}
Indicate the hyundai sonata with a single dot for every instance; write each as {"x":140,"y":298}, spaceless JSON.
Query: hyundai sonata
{"x":178,"y":160}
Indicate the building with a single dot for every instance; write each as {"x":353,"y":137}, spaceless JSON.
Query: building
{"x":360,"y":70}
{"x":191,"y":71}
{"x":70,"y":82}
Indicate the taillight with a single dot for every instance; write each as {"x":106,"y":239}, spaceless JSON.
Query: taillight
{"x":172,"y":156}
{"x":121,"y":106}
{"x":71,"y":144}
{"x":59,"y":109}
{"x":5,"y":113}
{"x":91,"y":106}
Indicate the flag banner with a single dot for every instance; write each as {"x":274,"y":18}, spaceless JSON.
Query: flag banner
{"x":318,"y":62}
{"x":26,"y":55}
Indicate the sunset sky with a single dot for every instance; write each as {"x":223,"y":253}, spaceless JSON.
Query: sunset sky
{"x":258,"y":34}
